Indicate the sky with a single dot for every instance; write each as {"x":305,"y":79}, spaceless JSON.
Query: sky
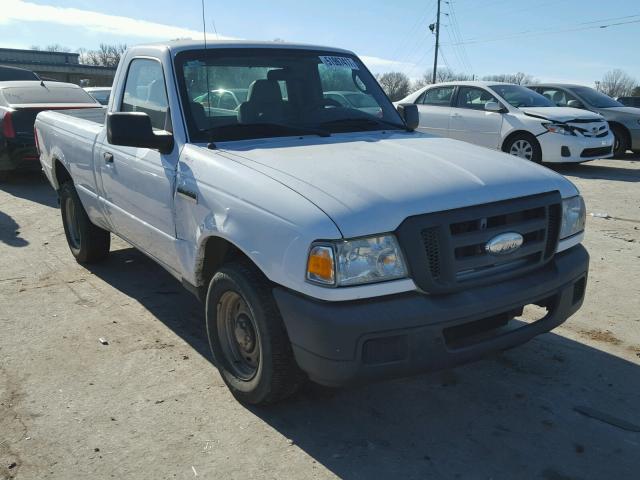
{"x":552,"y":40}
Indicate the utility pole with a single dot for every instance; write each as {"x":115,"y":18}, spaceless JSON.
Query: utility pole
{"x":435,"y":55}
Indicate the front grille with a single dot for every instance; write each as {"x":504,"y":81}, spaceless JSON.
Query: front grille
{"x":595,"y":152}
{"x":446,"y":251}
{"x":594,"y":129}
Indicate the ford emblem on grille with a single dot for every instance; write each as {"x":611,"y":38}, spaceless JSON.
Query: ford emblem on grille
{"x":504,"y":243}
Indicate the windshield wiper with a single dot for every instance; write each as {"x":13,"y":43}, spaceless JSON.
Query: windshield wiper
{"x":243,"y":131}
{"x":363,"y":122}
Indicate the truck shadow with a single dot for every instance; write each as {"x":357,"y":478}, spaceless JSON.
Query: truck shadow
{"x":32,"y":186}
{"x":618,"y":172}
{"x":512,"y":416}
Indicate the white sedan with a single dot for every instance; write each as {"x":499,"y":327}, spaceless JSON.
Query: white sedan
{"x":513,"y":119}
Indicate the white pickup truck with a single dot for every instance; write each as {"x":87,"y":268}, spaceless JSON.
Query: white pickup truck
{"x":327,"y":242}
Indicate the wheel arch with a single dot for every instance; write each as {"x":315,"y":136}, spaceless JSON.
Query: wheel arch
{"x":60,"y":173}
{"x":516,"y":133}
{"x":214,"y":251}
{"x":624,"y":129}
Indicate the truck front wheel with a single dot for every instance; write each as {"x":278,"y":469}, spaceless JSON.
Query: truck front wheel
{"x":87,"y":242}
{"x":247,"y":337}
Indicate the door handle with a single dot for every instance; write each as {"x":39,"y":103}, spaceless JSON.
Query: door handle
{"x":188,"y":194}
{"x":108,"y":157}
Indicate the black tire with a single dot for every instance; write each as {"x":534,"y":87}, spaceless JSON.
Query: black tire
{"x":517,"y":146}
{"x":87,"y":242}
{"x":257,"y":364}
{"x":4,"y":176}
{"x":620,"y":142}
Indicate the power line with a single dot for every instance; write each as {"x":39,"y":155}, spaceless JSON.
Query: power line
{"x":547,"y":31}
{"x":437,"y":31}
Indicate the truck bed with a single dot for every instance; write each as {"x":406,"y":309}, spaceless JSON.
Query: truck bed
{"x":95,"y":115}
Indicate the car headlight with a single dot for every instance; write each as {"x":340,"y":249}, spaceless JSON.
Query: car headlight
{"x":355,"y":262}
{"x":573,"y":216}
{"x":556,"y":128}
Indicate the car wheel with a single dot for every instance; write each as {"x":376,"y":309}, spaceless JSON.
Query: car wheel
{"x":524,"y":146}
{"x":87,"y":242}
{"x":248,"y":339}
{"x":620,"y":141}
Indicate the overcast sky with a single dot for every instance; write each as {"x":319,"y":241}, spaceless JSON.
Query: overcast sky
{"x":559,"y":40}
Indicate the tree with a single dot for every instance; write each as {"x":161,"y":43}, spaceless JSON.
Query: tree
{"x":636,"y":91}
{"x":517,"y":78}
{"x":105,"y":56}
{"x":617,"y":83}
{"x":395,"y":84}
{"x":442,"y":75}
{"x":56,"y":47}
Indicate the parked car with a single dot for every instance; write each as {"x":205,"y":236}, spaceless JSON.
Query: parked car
{"x":222,"y":98}
{"x":101,"y":94}
{"x":629,"y":101}
{"x":325,"y":242}
{"x":623,"y":121}
{"x":513,"y":119}
{"x":358,"y":100}
{"x":8,"y":74}
{"x":20,"y":102}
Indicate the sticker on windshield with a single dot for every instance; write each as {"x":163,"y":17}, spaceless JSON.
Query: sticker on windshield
{"x":337,"y":62}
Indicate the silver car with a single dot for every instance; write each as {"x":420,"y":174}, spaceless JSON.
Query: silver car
{"x":623,"y":121}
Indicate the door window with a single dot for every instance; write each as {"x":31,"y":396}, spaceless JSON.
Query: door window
{"x":144,"y":91}
{"x":473,"y":98}
{"x":558,"y":97}
{"x":440,"y":96}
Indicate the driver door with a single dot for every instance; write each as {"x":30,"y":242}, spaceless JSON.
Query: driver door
{"x":138,"y":183}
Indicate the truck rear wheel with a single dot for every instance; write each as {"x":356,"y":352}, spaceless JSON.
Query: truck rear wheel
{"x":87,"y":242}
{"x":248,"y":340}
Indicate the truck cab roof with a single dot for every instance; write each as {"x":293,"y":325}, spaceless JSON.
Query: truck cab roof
{"x":177,"y":46}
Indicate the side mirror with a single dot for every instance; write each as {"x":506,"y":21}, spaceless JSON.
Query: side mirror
{"x":492,"y":106}
{"x":133,"y":129}
{"x":409,"y":113}
{"x":575,"y":104}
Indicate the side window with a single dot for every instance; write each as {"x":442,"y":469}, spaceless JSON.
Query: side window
{"x":558,"y":97}
{"x":144,"y":91}
{"x":440,"y":96}
{"x":228,"y":101}
{"x":473,"y":98}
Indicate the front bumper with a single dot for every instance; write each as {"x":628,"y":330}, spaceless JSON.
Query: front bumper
{"x":339,"y":343}
{"x":568,"y":149}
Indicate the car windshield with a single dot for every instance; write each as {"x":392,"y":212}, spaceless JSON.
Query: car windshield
{"x":233,"y":94}
{"x":519,"y":96}
{"x":595,"y":98}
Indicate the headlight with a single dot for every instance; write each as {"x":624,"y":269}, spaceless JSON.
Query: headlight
{"x":355,"y":262}
{"x":573,"y":216}
{"x":555,"y":128}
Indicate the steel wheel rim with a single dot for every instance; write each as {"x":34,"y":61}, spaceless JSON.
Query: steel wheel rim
{"x":238,"y":335}
{"x":73,"y":223}
{"x":522,"y":149}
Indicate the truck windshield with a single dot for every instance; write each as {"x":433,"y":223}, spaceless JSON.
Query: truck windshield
{"x":595,"y":98}
{"x":236,"y":94}
{"x":519,"y":96}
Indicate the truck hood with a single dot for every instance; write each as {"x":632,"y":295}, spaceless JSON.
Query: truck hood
{"x":561,"y":114}
{"x":370,"y":182}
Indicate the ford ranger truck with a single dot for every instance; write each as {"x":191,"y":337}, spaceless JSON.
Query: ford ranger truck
{"x":327,"y":243}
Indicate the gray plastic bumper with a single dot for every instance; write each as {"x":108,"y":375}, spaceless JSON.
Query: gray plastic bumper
{"x":338,"y":343}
